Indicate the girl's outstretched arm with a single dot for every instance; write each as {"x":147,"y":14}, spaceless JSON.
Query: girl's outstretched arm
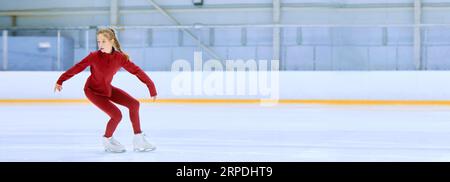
{"x":77,"y":68}
{"x":137,"y":71}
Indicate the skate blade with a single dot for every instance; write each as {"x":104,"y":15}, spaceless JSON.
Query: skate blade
{"x":112,"y":151}
{"x":144,"y":149}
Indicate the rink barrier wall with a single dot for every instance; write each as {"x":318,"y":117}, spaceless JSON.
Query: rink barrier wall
{"x":302,"y":87}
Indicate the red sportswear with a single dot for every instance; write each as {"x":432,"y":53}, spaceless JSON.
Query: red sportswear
{"x":103,"y":68}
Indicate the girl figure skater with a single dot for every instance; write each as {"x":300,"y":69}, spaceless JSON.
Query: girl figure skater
{"x":104,"y":63}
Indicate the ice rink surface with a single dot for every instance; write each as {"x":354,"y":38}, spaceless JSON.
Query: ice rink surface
{"x":230,"y":132}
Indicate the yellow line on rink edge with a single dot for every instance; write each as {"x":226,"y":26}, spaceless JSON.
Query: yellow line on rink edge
{"x":242,"y":101}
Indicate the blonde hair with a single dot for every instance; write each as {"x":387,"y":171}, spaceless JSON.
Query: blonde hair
{"x":111,"y":35}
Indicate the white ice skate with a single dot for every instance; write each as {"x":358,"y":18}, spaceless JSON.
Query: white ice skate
{"x":141,"y":144}
{"x":112,"y":145}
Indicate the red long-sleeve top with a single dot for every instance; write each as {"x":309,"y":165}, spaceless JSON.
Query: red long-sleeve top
{"x":103,"y":68}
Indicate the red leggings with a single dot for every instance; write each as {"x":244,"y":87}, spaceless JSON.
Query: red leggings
{"x":120,"y":97}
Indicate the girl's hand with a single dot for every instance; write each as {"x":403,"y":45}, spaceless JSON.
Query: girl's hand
{"x":58,"y":88}
{"x":153,"y":98}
